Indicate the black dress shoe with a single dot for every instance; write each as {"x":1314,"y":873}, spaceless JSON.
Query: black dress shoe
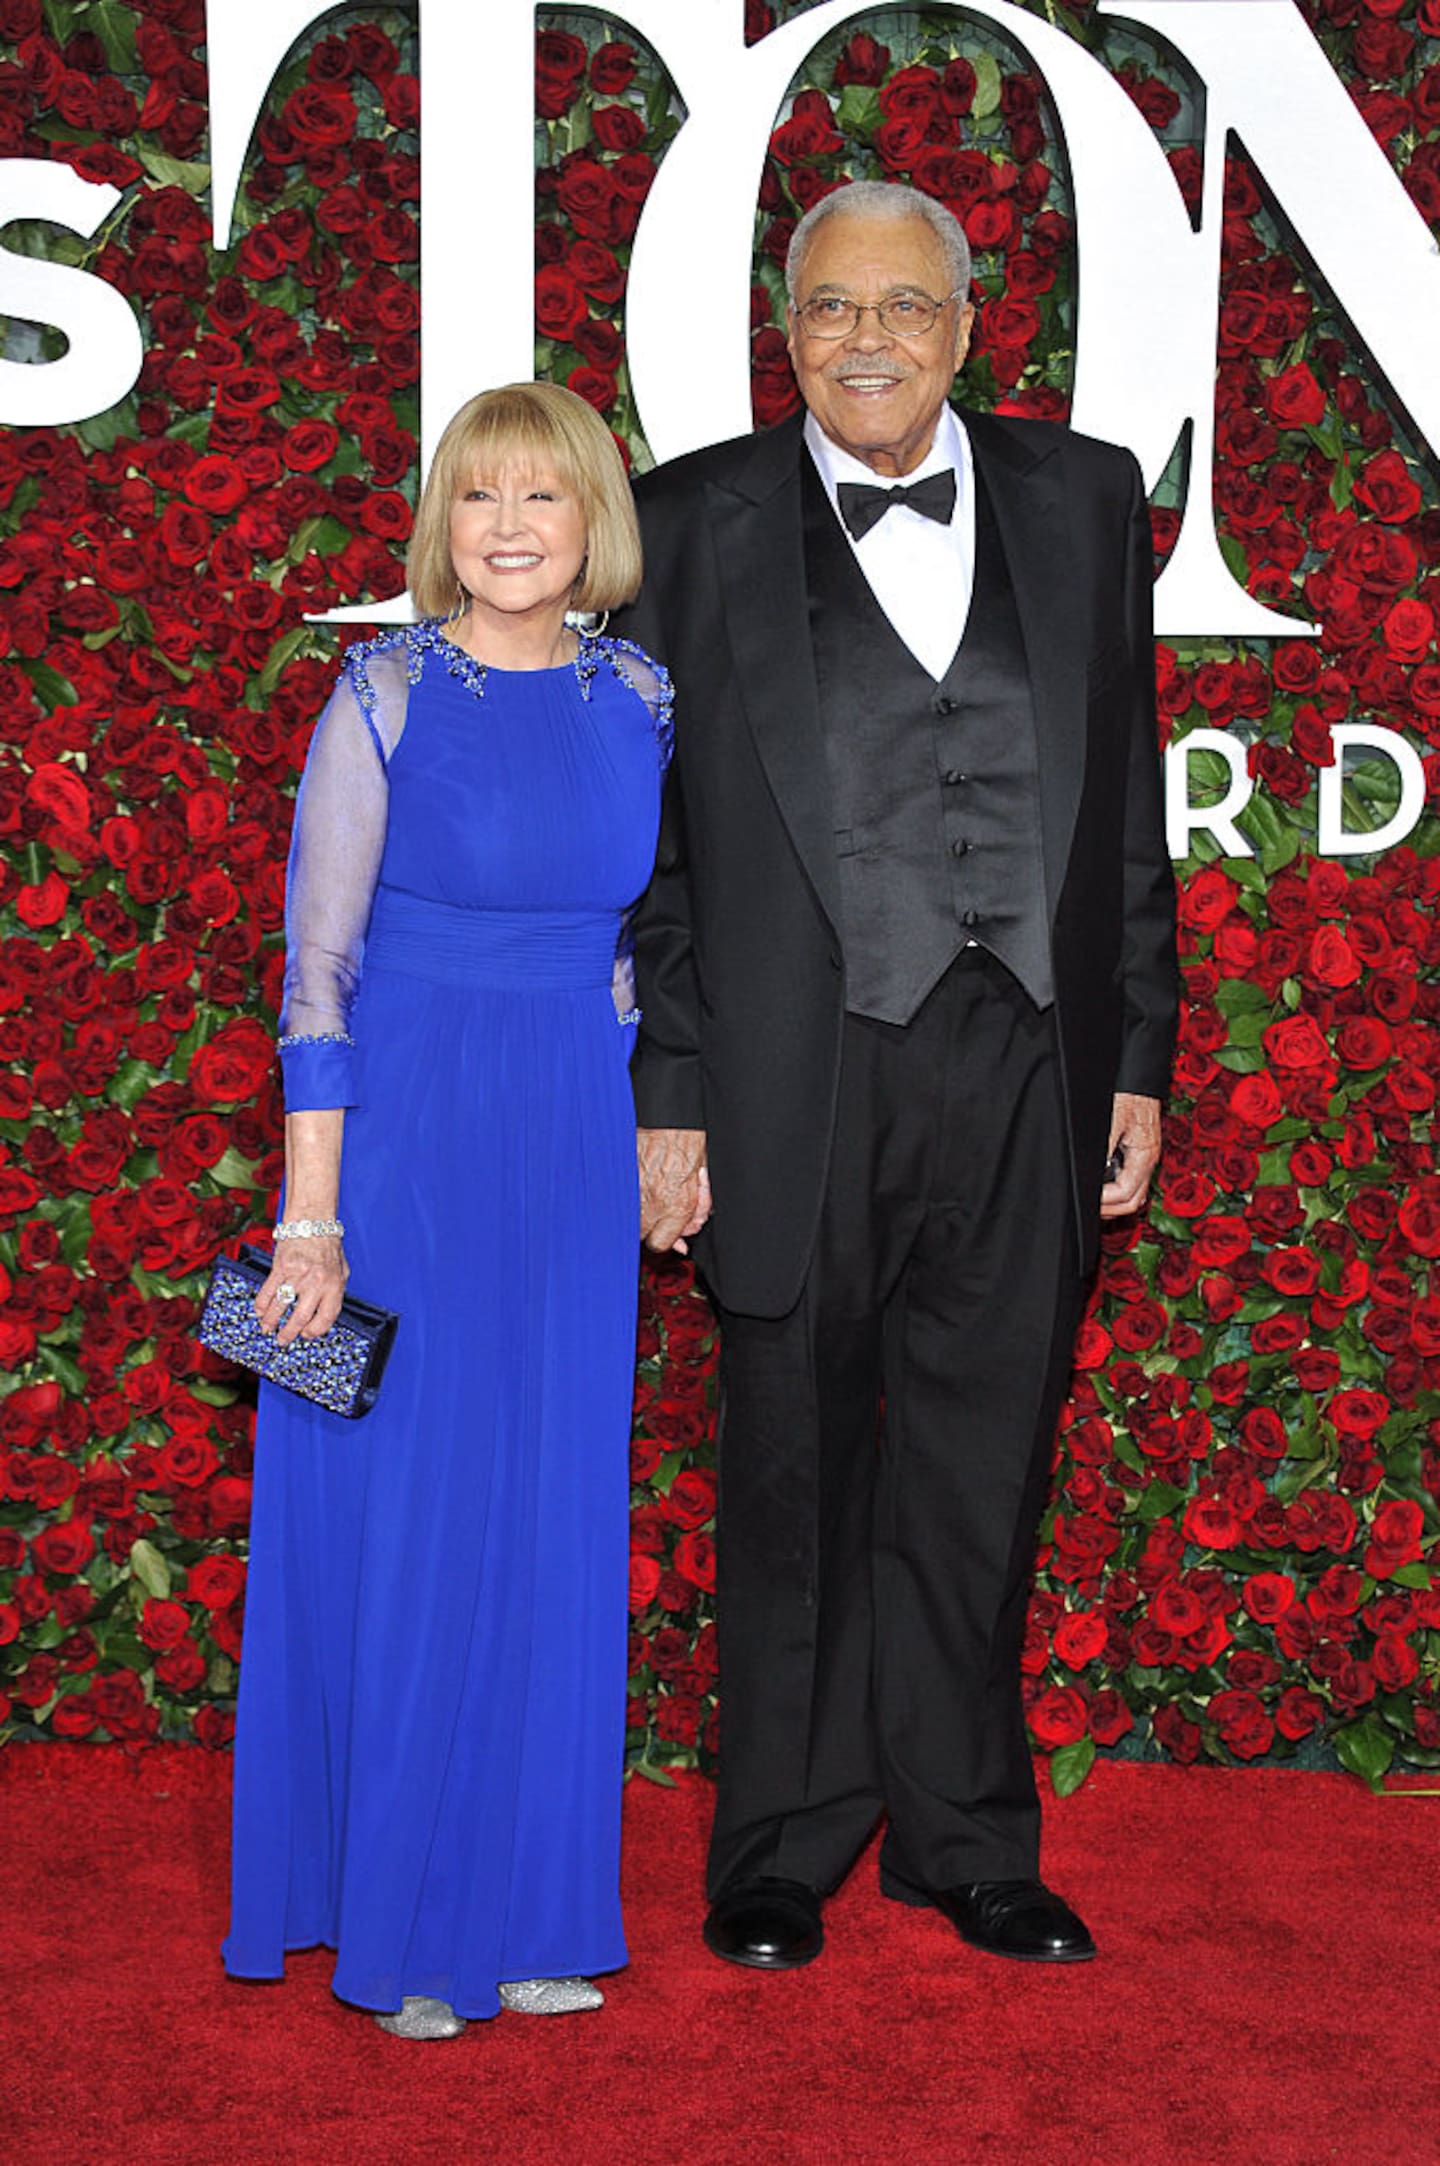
{"x":766,"y":1924}
{"x":1019,"y":1918}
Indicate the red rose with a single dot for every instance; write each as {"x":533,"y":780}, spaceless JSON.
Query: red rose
{"x":234,"y":1064}
{"x":1080,"y":1637}
{"x":163,"y":1624}
{"x":1296,"y":1043}
{"x":591,"y":200}
{"x":691,"y":1499}
{"x":1059,"y":1717}
{"x":1409,"y":630}
{"x":43,"y":903}
{"x":1294,"y":399}
{"x":60,"y":792}
{"x":66,"y":1545}
{"x":612,"y":69}
{"x":215,"y":1581}
{"x":1387,"y":488}
{"x":617,"y":127}
{"x":1298,"y":1713}
{"x":560,"y":62}
{"x":319,"y":116}
{"x":560,"y":306}
{"x":644,"y":1582}
{"x":695,"y":1560}
{"x":1207,"y":898}
{"x":1268,"y":1595}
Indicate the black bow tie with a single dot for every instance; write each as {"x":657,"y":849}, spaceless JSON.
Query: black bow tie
{"x":862,"y":505}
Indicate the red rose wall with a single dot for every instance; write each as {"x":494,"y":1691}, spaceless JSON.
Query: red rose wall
{"x":1238,"y":1557}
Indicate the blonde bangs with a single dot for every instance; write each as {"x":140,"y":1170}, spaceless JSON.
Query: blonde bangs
{"x":535,"y":428}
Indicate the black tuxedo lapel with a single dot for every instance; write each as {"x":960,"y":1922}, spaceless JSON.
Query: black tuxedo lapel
{"x":1033,"y":518}
{"x":759,"y":544}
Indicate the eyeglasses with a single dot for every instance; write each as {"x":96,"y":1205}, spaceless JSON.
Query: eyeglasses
{"x":903,"y":315}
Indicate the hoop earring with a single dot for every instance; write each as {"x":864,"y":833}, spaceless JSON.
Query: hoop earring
{"x":461,"y":604}
{"x":595,"y":630}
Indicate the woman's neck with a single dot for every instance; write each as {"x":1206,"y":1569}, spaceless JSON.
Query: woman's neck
{"x":541,"y":641}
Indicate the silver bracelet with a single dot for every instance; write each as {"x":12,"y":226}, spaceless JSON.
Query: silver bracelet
{"x":309,"y":1229}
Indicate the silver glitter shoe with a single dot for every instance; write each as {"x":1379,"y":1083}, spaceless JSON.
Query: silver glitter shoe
{"x":550,"y":1996}
{"x":421,"y":2017}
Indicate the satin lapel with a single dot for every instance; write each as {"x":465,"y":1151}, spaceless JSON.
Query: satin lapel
{"x":759,"y":544}
{"x":1032,"y":513}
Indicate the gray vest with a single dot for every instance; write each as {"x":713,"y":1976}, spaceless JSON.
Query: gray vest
{"x":935,"y":786}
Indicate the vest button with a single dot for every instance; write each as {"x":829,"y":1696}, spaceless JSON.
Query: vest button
{"x":959,"y":848}
{"x":969,"y":917}
{"x":945,"y":705}
{"x":953,"y":776}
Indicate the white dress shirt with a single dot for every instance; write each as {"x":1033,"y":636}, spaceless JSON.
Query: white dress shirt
{"x":921,"y":573}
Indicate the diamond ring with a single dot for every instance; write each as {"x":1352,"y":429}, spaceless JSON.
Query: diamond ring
{"x":286,"y":1295}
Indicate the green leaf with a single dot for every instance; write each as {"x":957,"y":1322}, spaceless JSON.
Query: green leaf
{"x":174,"y":172}
{"x":51,"y":688}
{"x":149,"y":1567}
{"x":285,"y":649}
{"x":1239,"y":1062}
{"x":102,"y":432}
{"x":859,"y":111}
{"x":987,"y":86}
{"x":1070,"y":1764}
{"x":1236,"y":560}
{"x":62,"y":18}
{"x":115,"y":27}
{"x":1157,"y":1502}
{"x":132,"y":1078}
{"x":233,"y":1171}
{"x":652,"y":1773}
{"x":1366,"y":1749}
{"x":65,"y":1370}
{"x":1414,"y":1575}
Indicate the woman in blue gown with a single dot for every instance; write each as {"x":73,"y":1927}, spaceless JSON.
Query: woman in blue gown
{"x":430,"y":1737}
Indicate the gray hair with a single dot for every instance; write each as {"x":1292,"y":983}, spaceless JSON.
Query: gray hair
{"x":882,"y":199}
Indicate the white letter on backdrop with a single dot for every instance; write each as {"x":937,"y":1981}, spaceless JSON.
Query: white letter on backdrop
{"x":1181,"y":819}
{"x":105,"y":351}
{"x":1334,"y":838}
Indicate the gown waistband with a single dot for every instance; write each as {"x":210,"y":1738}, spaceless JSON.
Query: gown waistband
{"x":419,"y":937}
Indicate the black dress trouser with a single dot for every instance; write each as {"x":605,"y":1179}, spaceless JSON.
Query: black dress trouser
{"x":873,"y":1575}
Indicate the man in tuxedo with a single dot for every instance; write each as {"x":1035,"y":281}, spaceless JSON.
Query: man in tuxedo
{"x":908,"y":987}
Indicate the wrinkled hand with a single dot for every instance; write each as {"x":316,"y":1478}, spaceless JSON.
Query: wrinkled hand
{"x":674,"y":1186}
{"x":1135,"y":1135}
{"x":317,"y":1270}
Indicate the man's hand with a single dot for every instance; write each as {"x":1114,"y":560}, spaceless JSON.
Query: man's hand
{"x":674,"y":1186}
{"x":1135,"y":1140}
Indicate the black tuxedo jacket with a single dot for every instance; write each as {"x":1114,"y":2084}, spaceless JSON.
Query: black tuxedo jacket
{"x":738,"y":961}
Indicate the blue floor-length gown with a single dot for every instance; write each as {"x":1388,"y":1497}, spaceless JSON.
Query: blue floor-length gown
{"x":430,"y":1734}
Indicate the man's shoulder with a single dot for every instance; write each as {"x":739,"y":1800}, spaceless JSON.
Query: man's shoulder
{"x":1030,"y":440}
{"x":724,"y":463}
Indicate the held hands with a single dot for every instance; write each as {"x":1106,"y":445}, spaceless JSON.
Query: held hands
{"x":1135,"y":1152}
{"x":315,"y":1270}
{"x":674,"y":1186}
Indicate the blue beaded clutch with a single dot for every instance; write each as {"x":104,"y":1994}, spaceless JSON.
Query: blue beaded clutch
{"x":340,"y":1371}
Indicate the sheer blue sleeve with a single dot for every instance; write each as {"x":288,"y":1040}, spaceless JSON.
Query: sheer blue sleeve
{"x":651,"y":680}
{"x":335,"y":853}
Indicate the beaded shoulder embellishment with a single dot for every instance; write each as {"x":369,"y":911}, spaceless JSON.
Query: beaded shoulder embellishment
{"x":319,"y":1037}
{"x":428,"y":637}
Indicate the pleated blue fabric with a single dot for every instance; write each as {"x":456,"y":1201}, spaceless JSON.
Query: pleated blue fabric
{"x":431,"y":1724}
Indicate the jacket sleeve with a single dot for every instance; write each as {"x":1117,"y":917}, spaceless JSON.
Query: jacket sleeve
{"x":335,"y":853}
{"x":1149,"y":968}
{"x":665,"y":1069}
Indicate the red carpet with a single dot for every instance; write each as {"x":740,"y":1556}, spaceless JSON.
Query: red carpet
{"x":1266,"y":1995}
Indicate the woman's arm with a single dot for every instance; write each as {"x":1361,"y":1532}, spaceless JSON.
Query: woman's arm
{"x":335,"y":854}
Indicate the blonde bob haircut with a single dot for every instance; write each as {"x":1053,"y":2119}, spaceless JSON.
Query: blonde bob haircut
{"x":538,"y":428}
